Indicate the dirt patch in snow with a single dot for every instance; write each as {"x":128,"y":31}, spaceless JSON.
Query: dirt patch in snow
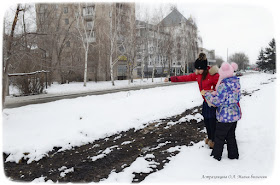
{"x":95,"y":161}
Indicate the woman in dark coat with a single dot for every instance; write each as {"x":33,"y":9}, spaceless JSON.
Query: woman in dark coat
{"x":207,"y":78}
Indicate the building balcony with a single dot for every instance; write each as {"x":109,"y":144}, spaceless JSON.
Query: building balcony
{"x":90,"y":16}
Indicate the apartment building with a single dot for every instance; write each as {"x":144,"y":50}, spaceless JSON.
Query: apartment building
{"x":167,"y":48}
{"x":64,"y":28}
{"x":210,"y":54}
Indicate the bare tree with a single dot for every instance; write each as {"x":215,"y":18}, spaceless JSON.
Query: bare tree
{"x":219,"y":61}
{"x":170,"y":51}
{"x":241,"y":59}
{"x":143,"y":26}
{"x":142,"y":39}
{"x":193,"y":40}
{"x":113,"y":39}
{"x":184,"y":47}
{"x":55,"y":33}
{"x":6,"y":59}
{"x":130,"y":42}
{"x":165,"y":50}
{"x":85,"y":30}
{"x":122,"y":37}
{"x":144,"y":46}
{"x":158,"y":16}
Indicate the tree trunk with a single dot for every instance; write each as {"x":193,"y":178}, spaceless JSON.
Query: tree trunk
{"x":99,"y":57}
{"x":111,"y":70}
{"x":111,"y":46}
{"x":142,"y":70}
{"x":5,"y":89}
{"x":153,"y":73}
{"x":85,"y":72}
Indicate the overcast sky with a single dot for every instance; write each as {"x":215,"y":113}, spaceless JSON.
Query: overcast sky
{"x":237,"y":26}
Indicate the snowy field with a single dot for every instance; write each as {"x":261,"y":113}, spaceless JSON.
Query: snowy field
{"x":36,"y":129}
{"x":78,"y":87}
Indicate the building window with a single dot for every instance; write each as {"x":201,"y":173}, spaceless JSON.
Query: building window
{"x":88,"y":10}
{"x":65,"y":9}
{"x":151,"y":33}
{"x":43,"y":8}
{"x":119,"y":5}
{"x":68,"y":44}
{"x":90,"y":36}
{"x":121,"y":49}
{"x":66,"y":21}
{"x":90,"y":24}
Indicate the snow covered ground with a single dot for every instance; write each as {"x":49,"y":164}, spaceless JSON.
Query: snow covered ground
{"x":256,"y":142}
{"x":36,"y":129}
{"x":78,"y":87}
{"x":69,"y":120}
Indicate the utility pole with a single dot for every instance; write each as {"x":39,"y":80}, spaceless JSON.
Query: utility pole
{"x":227,"y":54}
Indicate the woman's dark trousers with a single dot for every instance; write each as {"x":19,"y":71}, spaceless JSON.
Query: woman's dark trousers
{"x":210,"y":125}
{"x":225,"y":132}
{"x":209,"y":114}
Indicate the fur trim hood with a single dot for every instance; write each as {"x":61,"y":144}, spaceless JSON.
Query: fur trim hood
{"x":213,"y":70}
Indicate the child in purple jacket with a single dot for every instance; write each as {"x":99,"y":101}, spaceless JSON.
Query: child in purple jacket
{"x":226,"y":99}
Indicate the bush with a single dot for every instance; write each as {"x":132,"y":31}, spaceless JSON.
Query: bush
{"x":30,"y":85}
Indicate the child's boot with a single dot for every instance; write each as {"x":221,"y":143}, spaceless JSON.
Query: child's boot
{"x":211,"y":144}
{"x":206,"y":141}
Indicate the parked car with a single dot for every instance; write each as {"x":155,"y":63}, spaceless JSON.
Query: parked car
{"x":238,"y":73}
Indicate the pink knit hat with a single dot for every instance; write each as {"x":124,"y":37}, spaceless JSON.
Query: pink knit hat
{"x":226,"y":70}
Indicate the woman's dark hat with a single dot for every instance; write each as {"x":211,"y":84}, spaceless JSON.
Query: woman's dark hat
{"x":200,"y":64}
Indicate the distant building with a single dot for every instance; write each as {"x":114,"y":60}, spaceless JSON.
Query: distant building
{"x":177,"y":47}
{"x":210,"y":54}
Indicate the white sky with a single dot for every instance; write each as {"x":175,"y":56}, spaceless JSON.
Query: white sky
{"x":241,"y":26}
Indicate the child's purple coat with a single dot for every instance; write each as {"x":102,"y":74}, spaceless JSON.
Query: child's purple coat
{"x":226,"y":100}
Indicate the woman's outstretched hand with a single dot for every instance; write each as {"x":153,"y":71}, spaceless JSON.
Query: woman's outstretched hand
{"x":202,"y":93}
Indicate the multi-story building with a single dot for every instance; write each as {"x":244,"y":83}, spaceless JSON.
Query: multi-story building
{"x":172,"y":45}
{"x":151,"y":50}
{"x":169,"y":47}
{"x":63,"y":28}
{"x":210,"y":54}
